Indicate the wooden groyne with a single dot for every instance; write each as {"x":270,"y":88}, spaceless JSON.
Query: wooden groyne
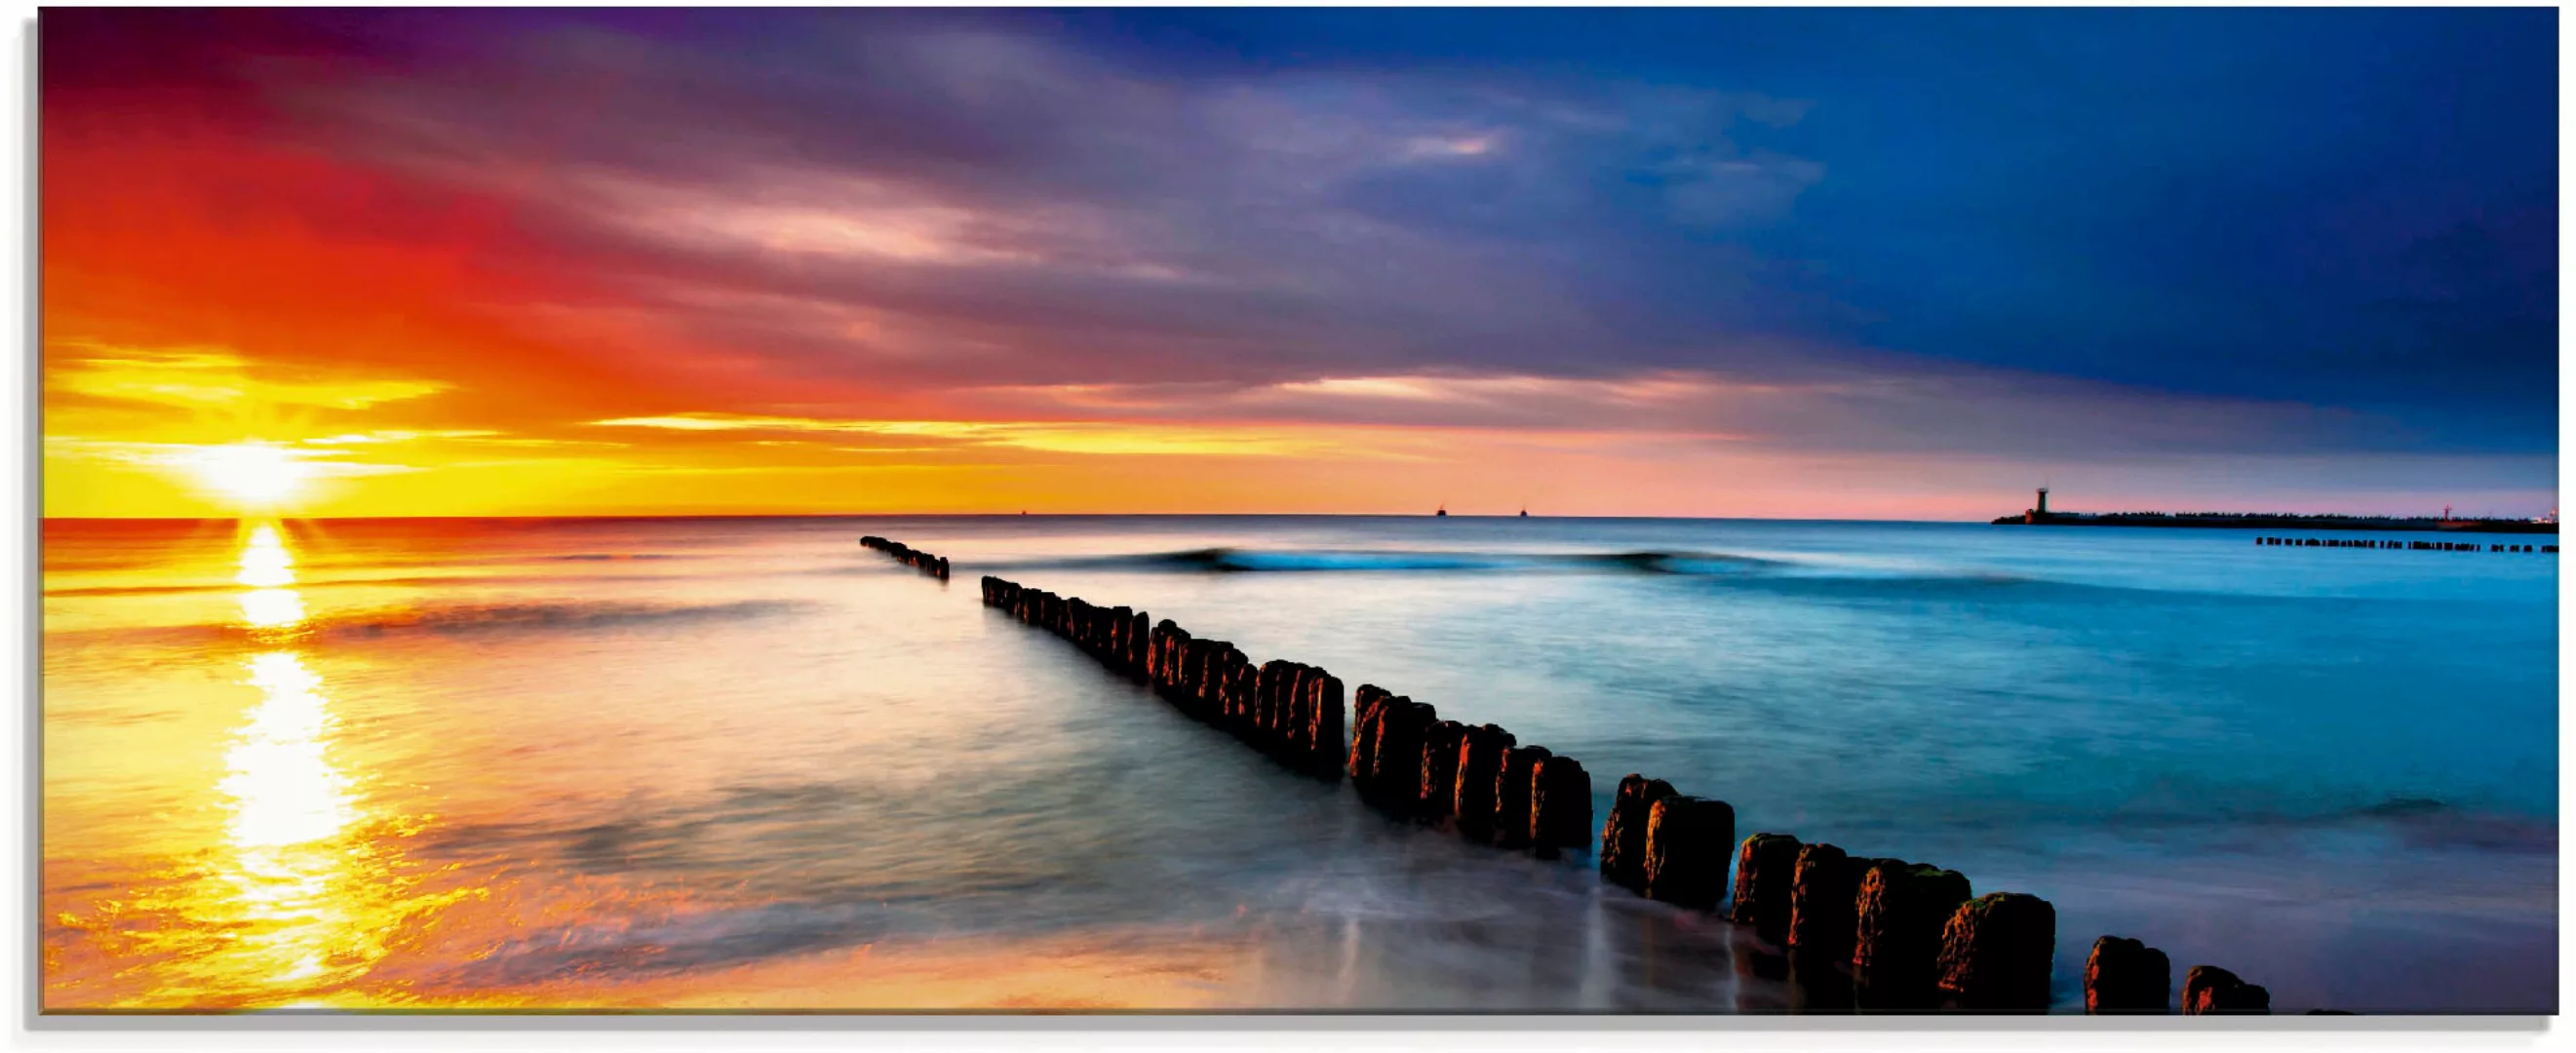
{"x":1872,"y":934}
{"x":1288,"y":710}
{"x":2402,"y":546}
{"x":935,"y":566}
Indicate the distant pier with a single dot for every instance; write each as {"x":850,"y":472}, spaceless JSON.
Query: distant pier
{"x":2039,"y":515}
{"x":2403,"y":546}
{"x":2231,"y":521}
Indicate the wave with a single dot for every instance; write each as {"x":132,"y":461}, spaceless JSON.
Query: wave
{"x":141,"y":590}
{"x":1246,"y":560}
{"x":309,"y":583}
{"x":1829,"y":577}
{"x":1237,"y":560}
{"x":1691,"y":562}
{"x":1731,"y":565}
{"x":661,"y":943}
{"x":521,"y":617}
{"x":456,"y":620}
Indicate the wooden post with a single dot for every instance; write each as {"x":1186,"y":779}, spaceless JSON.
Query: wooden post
{"x":1560,"y":806}
{"x":1325,"y":705}
{"x":1623,"y":831}
{"x":1904,"y":911}
{"x":1687,"y":843}
{"x":1996,"y":953}
{"x":1439,"y":769}
{"x":1367,"y":720}
{"x":1765,"y":875}
{"x":1395,"y":779}
{"x":1512,"y":796}
{"x":2126,"y":976}
{"x":1480,"y":766}
{"x":2209,"y":990}
{"x":1824,"y":905}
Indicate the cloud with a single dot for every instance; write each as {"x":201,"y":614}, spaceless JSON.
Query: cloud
{"x":1451,"y":147}
{"x":181,"y":459}
{"x":212,"y":377}
{"x":451,"y":436}
{"x":976,"y":202}
{"x":1100,"y":438}
{"x":1963,"y":411}
{"x":369,"y":438}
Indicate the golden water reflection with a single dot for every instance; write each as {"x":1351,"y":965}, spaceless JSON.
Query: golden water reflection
{"x":265,"y":563}
{"x":302,"y":896}
{"x":268,"y":569}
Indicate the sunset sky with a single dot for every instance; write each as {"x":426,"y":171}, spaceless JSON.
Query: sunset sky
{"x":1847,"y":263}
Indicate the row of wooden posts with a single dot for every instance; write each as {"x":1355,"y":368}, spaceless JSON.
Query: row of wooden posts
{"x":2413,"y":546}
{"x":1288,"y":710}
{"x":935,"y":566}
{"x":1883,"y":933}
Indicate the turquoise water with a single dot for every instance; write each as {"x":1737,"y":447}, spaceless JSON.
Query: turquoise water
{"x":2331,"y":771}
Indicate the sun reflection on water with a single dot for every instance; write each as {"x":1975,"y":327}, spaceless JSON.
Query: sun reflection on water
{"x":268,"y":569}
{"x":305,"y":891}
{"x":265,"y":563}
{"x":289,"y":876}
{"x":290,"y":885}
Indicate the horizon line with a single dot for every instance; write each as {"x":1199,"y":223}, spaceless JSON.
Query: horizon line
{"x":980,"y":515}
{"x":1982,"y":521}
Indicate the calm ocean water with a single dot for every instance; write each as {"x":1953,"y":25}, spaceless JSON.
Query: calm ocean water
{"x":745,"y":762}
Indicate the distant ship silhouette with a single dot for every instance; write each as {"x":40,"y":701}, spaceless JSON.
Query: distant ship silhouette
{"x":1441,"y":513}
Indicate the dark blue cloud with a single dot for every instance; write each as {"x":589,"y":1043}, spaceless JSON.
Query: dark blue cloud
{"x":2343,"y":207}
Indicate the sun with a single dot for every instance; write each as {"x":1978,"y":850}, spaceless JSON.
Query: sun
{"x":252,"y":474}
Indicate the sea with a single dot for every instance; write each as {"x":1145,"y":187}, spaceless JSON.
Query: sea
{"x":748,"y":764}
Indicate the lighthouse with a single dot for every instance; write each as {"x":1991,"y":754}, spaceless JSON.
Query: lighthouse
{"x":2042,"y":508}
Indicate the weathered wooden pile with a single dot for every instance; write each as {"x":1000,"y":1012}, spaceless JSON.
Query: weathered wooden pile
{"x":1479,"y":781}
{"x":2411,"y":546}
{"x":1874,"y":934}
{"x":1882,"y":934}
{"x":1288,"y":710}
{"x":1877,"y":934}
{"x":1401,"y":757}
{"x":935,"y":566}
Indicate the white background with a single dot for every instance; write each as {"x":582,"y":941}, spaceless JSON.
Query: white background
{"x":1304,"y":1034}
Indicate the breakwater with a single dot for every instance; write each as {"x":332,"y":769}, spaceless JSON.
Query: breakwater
{"x":935,"y":566}
{"x":1869,"y":934}
{"x":2236,"y":521}
{"x":2400,"y":546}
{"x":1288,"y":710}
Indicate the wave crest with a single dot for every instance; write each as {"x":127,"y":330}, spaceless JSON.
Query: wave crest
{"x":1247,"y":560}
{"x":523,"y":617}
